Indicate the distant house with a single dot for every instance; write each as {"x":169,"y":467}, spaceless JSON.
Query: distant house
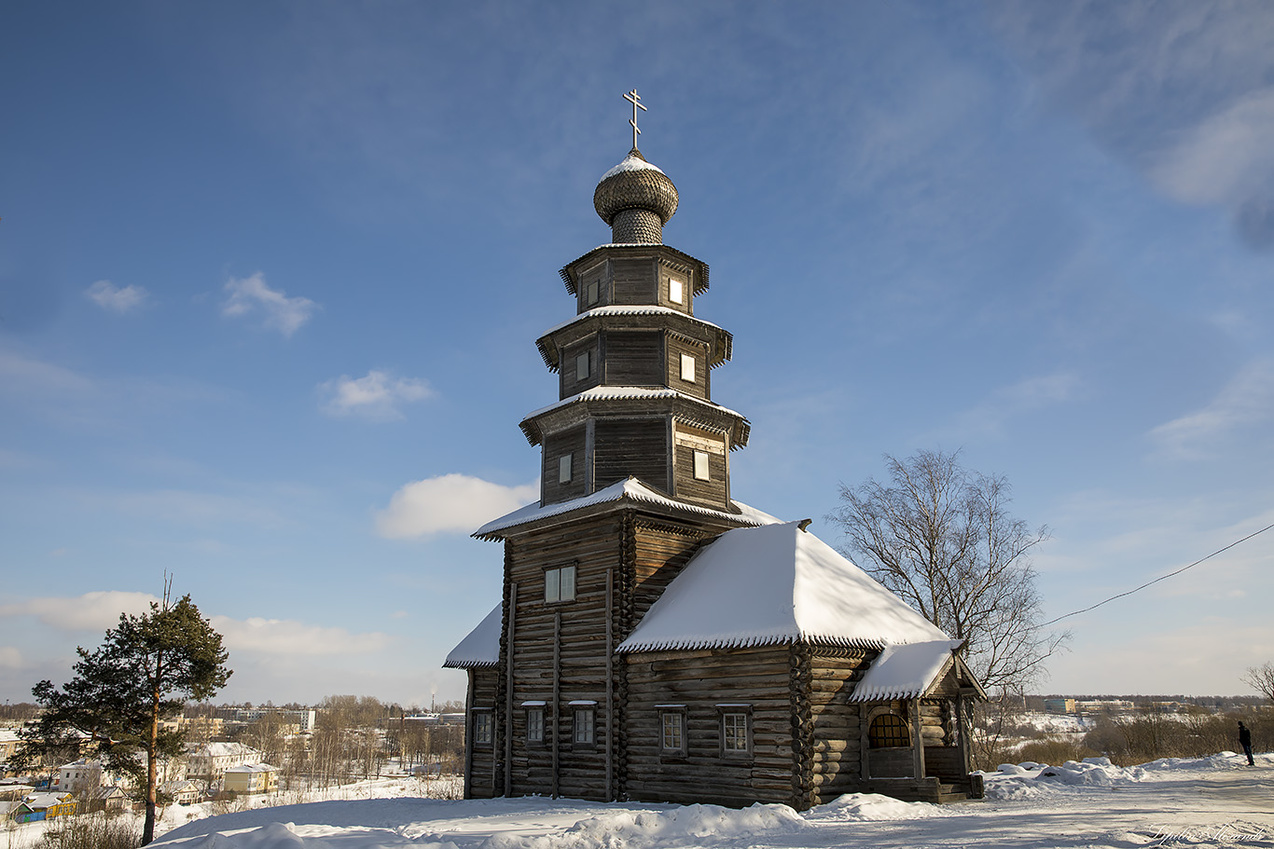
{"x":184,"y":792}
{"x":111,"y":799}
{"x":210,"y":761}
{"x":44,"y":806}
{"x":81,"y":776}
{"x":250,"y":778}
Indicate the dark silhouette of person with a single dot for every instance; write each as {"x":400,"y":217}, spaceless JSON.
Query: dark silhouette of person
{"x":1245,"y":740}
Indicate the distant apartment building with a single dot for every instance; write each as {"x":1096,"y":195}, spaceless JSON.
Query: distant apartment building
{"x":211,"y":760}
{"x":250,"y":778}
{"x":305,"y":720}
{"x":1059,"y":705}
{"x":81,"y":776}
{"x":1103,"y":705}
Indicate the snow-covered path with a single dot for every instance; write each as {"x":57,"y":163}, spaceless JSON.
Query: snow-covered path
{"x":1206,"y":802}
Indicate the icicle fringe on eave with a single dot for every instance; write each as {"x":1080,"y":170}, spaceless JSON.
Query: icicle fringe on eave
{"x":748,"y":643}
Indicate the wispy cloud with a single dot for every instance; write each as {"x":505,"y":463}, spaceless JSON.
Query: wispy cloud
{"x":449,"y":504}
{"x":1180,"y":89}
{"x":93,"y":611}
{"x":10,"y":657}
{"x":290,"y":637}
{"x":110,"y":297}
{"x":1007,"y":402}
{"x":251,"y":296}
{"x":378,"y":396}
{"x":1247,"y":400}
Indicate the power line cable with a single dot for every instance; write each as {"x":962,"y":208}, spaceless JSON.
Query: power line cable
{"x":1156,"y":580}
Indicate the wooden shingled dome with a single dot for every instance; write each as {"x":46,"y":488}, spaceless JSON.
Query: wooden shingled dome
{"x":636,"y":199}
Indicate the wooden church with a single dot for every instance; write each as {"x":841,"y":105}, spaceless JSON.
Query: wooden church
{"x":658,"y":640}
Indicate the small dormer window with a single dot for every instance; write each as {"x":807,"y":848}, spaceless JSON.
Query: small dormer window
{"x":676,"y":291}
{"x":564,"y":468}
{"x":592,"y":292}
{"x":582,"y":363}
{"x":701,"y":465}
{"x":688,"y":368}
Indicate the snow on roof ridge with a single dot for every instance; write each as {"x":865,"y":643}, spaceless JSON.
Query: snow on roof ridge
{"x":630,"y":488}
{"x":627,"y":309}
{"x":598,"y":393}
{"x":631,"y":162}
{"x":481,"y":646}
{"x":771,"y":584}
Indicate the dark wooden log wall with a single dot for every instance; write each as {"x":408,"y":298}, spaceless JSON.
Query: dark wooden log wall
{"x":677,"y":345}
{"x":559,"y":656}
{"x":571,"y":382}
{"x":571,"y":442}
{"x":634,"y":281}
{"x":634,"y":357}
{"x":687,"y":287}
{"x":624,"y":447}
{"x":483,"y":764}
{"x":760,"y":677}
{"x":714,"y":492}
{"x":837,"y":746}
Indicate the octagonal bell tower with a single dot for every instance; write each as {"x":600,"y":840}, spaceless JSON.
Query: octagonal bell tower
{"x":635,"y":364}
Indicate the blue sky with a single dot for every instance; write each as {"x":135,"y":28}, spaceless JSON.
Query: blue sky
{"x":271,"y":276}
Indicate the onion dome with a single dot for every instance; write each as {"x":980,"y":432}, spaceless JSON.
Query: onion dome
{"x":636,"y":199}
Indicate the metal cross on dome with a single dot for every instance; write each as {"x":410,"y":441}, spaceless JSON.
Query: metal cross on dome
{"x":635,"y":99}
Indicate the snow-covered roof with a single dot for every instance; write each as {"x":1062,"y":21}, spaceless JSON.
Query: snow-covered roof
{"x":905,"y":671}
{"x":611,"y":393}
{"x":622,"y":309}
{"x":629,"y":489}
{"x":775,"y":584}
{"x":253,"y":768}
{"x":481,"y":647}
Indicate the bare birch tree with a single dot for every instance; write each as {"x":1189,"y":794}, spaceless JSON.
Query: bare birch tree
{"x":1261,"y":679}
{"x":942,"y":538}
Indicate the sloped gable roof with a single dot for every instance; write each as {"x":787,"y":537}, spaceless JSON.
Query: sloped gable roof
{"x":905,"y":671}
{"x":482,"y":645}
{"x":776,"y":584}
{"x":630,"y":489}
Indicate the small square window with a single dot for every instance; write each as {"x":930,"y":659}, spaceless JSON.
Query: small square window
{"x":564,"y":468}
{"x":559,"y":584}
{"x":676,"y":291}
{"x":482,"y":728}
{"x":592,"y":292}
{"x":535,"y":725}
{"x":583,"y":735}
{"x":701,"y":465}
{"x":582,"y":363}
{"x":688,"y":368}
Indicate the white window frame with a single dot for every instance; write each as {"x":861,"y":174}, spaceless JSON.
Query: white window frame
{"x":676,"y":290}
{"x":735,"y":726}
{"x":583,"y":365}
{"x":688,"y":368}
{"x":701,"y":468}
{"x":672,"y":731}
{"x":559,"y":584}
{"x":564,"y":469}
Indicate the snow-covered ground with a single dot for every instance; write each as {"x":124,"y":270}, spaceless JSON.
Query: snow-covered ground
{"x":1215,"y":801}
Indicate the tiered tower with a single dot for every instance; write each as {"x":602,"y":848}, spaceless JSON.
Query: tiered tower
{"x":635,"y":365}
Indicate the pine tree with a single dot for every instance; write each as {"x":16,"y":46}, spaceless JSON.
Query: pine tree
{"x":143,"y":673}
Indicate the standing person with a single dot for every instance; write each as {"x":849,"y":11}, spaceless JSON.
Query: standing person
{"x":1245,"y":740}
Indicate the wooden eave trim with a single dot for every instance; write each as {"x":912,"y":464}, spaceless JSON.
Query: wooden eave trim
{"x":649,"y":510}
{"x":719,"y":340}
{"x":684,"y":407}
{"x":671,"y":254}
